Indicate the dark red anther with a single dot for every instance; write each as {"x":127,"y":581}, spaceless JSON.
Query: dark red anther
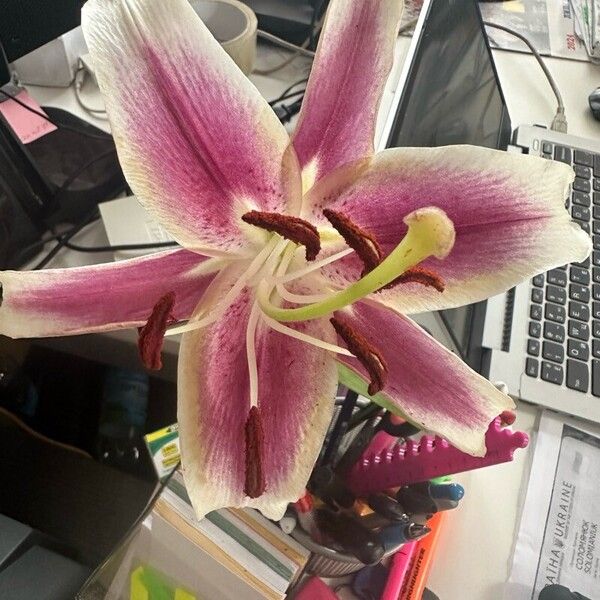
{"x":361,"y":241}
{"x":507,"y":417}
{"x":291,"y":228}
{"x":370,"y":358}
{"x":254,"y":484}
{"x":151,"y":335}
{"x":418,"y":275}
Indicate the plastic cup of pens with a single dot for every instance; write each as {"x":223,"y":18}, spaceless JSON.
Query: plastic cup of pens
{"x":381,"y":492}
{"x":344,"y":534}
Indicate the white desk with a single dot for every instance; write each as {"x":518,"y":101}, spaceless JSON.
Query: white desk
{"x":476,"y":545}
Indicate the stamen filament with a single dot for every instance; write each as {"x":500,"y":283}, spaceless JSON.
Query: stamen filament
{"x":299,"y":298}
{"x":315,"y":265}
{"x":303,"y":337}
{"x":251,"y":353}
{"x":430,"y":232}
{"x":231,"y":295}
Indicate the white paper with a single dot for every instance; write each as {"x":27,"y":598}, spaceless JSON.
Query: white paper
{"x":559,"y":537}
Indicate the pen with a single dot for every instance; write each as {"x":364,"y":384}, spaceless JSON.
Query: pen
{"x":387,"y":507}
{"x":351,"y":535}
{"x":397,"y":534}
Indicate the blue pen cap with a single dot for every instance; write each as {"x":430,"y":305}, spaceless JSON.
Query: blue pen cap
{"x":447,"y":491}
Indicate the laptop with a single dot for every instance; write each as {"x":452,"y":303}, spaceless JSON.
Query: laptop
{"x":542,"y":338}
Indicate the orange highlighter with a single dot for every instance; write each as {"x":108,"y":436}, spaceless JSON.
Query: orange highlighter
{"x":416,"y":578}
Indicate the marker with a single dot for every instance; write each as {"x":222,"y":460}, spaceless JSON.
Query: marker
{"x":328,"y":486}
{"x":446,"y":491}
{"x":395,"y":535}
{"x":351,"y":535}
{"x":416,"y":578}
{"x":415,"y":501}
{"x":399,"y":566}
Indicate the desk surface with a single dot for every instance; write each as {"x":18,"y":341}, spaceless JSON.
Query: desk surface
{"x":476,"y":545}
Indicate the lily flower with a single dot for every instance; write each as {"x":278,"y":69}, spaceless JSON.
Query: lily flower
{"x":299,"y":257}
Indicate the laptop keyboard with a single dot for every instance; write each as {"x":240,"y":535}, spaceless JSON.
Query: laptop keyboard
{"x":564,"y":312}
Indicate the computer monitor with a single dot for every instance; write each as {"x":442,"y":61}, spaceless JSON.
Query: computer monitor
{"x":450,"y":94}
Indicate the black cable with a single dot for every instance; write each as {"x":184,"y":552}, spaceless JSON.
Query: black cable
{"x":117,"y":248}
{"x":91,"y":216}
{"x":288,"y":96}
{"x":75,"y":175}
{"x":287,"y":91}
{"x":89,"y":134}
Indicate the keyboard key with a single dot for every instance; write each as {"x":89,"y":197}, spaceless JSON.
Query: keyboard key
{"x":597,"y":184}
{"x":553,"y":352}
{"x":581,"y":198}
{"x":596,"y":199}
{"x":553,"y":312}
{"x":596,"y":375}
{"x":533,"y":347}
{"x":596,"y":165}
{"x":578,"y":310}
{"x":578,"y":376}
{"x":596,"y":274}
{"x":537,"y":295}
{"x":596,"y":240}
{"x":535,"y":329}
{"x":538,"y":280}
{"x":584,"y":263}
{"x":555,"y":332}
{"x":579,"y":275}
{"x":547,"y":148}
{"x":585,"y":226}
{"x":556,"y":294}
{"x":578,"y":349}
{"x":596,"y":227}
{"x":596,"y":258}
{"x":596,"y":329}
{"x":578,"y":292}
{"x":577,"y":329}
{"x":582,"y":185}
{"x":596,"y":212}
{"x":535,"y":312}
{"x":552,"y":373}
{"x":581,"y":213}
{"x":581,"y":157}
{"x":596,"y":348}
{"x":563,"y":154}
{"x":596,"y":310}
{"x":555,"y":277}
{"x":596,"y":291}
{"x":532,"y":367}
{"x":582,"y":171}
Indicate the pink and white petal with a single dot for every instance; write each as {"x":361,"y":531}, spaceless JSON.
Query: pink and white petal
{"x":426,"y":382}
{"x":508,"y":211}
{"x":197,"y":142}
{"x":296,"y":388}
{"x":104,"y":297}
{"x":353,"y":60}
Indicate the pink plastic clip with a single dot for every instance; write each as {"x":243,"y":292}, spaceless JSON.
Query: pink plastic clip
{"x":428,"y":458}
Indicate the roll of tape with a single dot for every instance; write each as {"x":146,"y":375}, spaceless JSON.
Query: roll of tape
{"x":234,"y":25}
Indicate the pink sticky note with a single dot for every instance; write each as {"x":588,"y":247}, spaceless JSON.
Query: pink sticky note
{"x":26,"y":125}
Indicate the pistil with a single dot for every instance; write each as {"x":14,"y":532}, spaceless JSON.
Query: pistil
{"x":430,"y":233}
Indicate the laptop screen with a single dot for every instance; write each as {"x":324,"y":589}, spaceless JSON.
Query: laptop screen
{"x":452,"y":96}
